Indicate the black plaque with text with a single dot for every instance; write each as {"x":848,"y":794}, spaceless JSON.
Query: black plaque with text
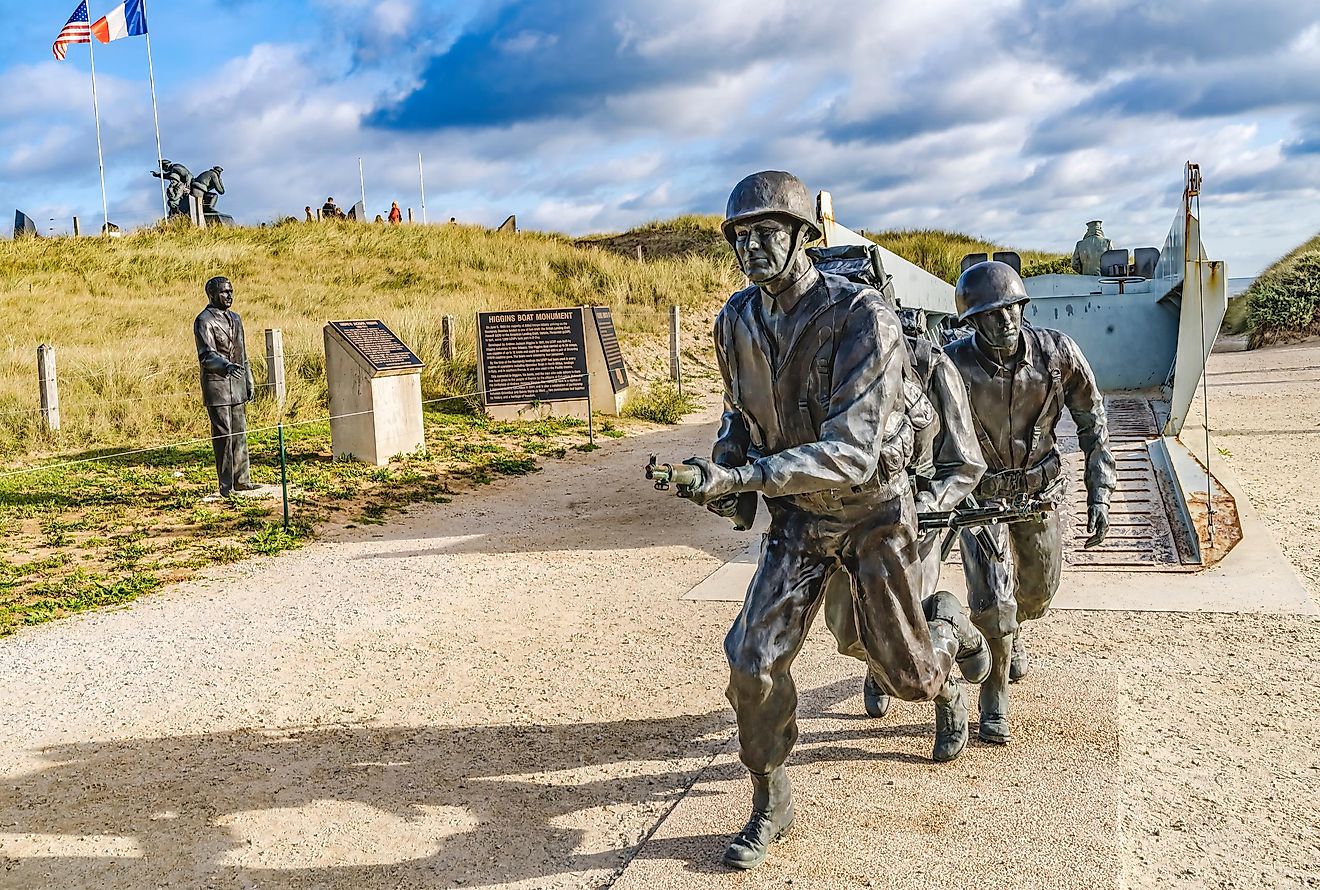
{"x":378,"y":345}
{"x":534,"y":355}
{"x":609,"y":344}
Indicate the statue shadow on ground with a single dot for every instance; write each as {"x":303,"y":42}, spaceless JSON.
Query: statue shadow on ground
{"x":277,"y":807}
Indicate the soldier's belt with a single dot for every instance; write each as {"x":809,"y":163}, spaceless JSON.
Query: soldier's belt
{"x":1020,"y":481}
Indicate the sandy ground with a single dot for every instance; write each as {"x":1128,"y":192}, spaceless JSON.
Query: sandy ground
{"x":508,"y":692}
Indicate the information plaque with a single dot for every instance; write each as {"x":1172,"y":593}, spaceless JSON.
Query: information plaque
{"x":609,"y":344}
{"x":532,"y":356}
{"x":377,"y":344}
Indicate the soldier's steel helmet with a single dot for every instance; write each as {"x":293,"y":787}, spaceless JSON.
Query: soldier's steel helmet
{"x":987,"y":286}
{"x":771,"y":192}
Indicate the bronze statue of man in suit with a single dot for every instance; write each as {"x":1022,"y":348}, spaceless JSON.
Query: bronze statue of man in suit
{"x":813,"y":368}
{"x":226,"y":383}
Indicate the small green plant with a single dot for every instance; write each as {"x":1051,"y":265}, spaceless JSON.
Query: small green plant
{"x":661,"y":403}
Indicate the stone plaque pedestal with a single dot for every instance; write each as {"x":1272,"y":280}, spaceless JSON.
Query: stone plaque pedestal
{"x":375,"y":389}
{"x":538,"y":363}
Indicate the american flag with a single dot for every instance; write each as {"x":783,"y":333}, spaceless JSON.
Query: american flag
{"x":77,"y":29}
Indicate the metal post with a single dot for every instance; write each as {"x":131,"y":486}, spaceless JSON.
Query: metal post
{"x":591,"y":423}
{"x":362,"y":180}
{"x":447,"y":337}
{"x":675,"y":357}
{"x":421,"y":179}
{"x":275,"y":365}
{"x":49,"y":386}
{"x":76,"y":230}
{"x":100,"y":155}
{"x":284,"y":479}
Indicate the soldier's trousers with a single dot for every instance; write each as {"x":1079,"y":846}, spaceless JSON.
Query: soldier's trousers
{"x":229,"y":438}
{"x":1021,"y":586}
{"x":801,"y":551}
{"x":841,"y":617}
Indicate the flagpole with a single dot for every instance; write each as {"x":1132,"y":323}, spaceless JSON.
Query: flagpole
{"x":151,"y":78}
{"x":100,"y":155}
{"x":362,"y":180}
{"x":421,"y":176}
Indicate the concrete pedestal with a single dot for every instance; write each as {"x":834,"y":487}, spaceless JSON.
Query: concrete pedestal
{"x":376,"y":414}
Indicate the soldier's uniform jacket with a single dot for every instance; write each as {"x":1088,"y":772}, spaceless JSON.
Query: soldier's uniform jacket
{"x":220,"y":341}
{"x":948,"y":460}
{"x":815,"y":418}
{"x":1015,"y":410}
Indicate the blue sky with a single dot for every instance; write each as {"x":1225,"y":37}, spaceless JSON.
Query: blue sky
{"x":1013,"y":120}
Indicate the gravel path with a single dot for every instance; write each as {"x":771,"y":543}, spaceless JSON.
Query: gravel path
{"x":507,"y":691}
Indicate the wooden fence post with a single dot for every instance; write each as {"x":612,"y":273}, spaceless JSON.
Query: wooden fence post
{"x":49,"y":386}
{"x":639,"y":252}
{"x":275,"y":364}
{"x":447,"y":337}
{"x":410,"y":219}
{"x":675,"y":353}
{"x":76,"y":228}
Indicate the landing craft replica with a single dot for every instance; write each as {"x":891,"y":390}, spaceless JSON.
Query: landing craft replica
{"x":1146,"y":324}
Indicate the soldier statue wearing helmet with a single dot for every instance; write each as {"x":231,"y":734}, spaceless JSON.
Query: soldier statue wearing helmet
{"x":814,"y":421}
{"x":1019,"y":379}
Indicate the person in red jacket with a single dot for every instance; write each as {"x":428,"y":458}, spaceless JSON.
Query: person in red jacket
{"x":396,"y":216}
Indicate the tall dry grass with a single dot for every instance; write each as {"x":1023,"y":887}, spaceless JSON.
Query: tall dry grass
{"x":941,"y":253}
{"x":120,"y":312}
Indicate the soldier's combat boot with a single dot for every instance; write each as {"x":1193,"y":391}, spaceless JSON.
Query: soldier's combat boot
{"x":950,"y":722}
{"x":874,"y":697}
{"x":994,"y":694}
{"x":1019,"y":663}
{"x":972,"y":655}
{"x":772,"y":817}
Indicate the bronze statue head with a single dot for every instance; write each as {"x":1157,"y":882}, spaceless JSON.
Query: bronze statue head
{"x":220,"y":292}
{"x":990,"y":297}
{"x":769,"y":220}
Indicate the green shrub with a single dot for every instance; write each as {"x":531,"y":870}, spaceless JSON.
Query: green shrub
{"x":1284,"y":299}
{"x":1059,"y":265}
{"x":661,"y":403}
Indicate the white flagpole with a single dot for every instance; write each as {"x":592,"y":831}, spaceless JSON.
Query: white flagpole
{"x":100,"y":156}
{"x":362,"y":181}
{"x":421,"y":177}
{"x":151,"y":78}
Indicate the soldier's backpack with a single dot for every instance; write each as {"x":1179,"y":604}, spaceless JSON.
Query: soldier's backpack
{"x":863,"y":264}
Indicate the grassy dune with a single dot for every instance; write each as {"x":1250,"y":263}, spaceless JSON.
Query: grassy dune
{"x":120,"y":312}
{"x":941,"y":253}
{"x":1283,"y":303}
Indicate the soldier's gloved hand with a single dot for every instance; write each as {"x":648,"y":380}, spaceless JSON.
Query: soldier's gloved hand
{"x":716,"y":481}
{"x":1097,"y":523}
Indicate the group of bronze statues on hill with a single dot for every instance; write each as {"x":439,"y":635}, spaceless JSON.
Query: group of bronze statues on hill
{"x":872,"y":448}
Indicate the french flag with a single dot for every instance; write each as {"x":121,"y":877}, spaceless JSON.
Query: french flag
{"x":128,"y":19}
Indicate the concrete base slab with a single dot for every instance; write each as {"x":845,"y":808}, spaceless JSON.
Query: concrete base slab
{"x":874,"y":811}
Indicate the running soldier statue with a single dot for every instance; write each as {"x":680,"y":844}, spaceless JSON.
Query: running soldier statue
{"x":1019,"y":379}
{"x":946,"y":465}
{"x":815,"y":422}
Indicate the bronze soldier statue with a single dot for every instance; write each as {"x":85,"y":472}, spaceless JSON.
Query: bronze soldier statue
{"x":226,"y":384}
{"x":1088,"y":252}
{"x":1019,"y":379}
{"x":813,"y":369}
{"x":945,"y":467}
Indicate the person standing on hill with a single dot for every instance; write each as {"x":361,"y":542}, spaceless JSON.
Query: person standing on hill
{"x":396,"y":215}
{"x":227,"y":384}
{"x":330,"y":210}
